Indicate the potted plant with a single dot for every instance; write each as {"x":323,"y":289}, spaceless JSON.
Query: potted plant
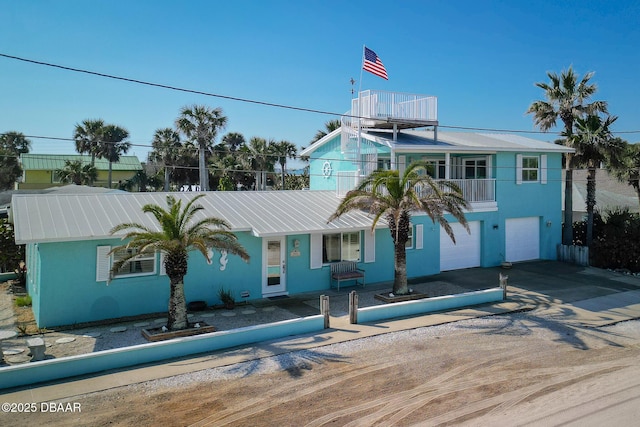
{"x":227,"y":298}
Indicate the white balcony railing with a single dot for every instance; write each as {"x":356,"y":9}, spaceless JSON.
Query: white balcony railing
{"x":473,"y":190}
{"x":378,"y":105}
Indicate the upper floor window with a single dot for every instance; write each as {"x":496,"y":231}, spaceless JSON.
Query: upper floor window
{"x":475,"y":168}
{"x":531,"y":168}
{"x":436,"y":168}
{"x":530,"y":165}
{"x":341,"y":247}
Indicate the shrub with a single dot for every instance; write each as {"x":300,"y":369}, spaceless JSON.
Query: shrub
{"x":24,"y":301}
{"x":617,"y":243}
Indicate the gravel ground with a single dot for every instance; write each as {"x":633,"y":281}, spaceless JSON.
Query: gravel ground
{"x":85,"y":340}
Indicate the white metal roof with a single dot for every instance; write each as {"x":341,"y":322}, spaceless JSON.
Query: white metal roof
{"x":73,"y":217}
{"x":454,"y":142}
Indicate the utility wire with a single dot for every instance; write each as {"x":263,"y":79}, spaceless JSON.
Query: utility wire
{"x":252,"y":101}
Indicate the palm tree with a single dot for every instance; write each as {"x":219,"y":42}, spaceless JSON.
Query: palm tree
{"x":259,"y":153}
{"x":629,"y":170}
{"x":283,"y":150}
{"x":177,"y":233}
{"x":594,"y":144}
{"x":389,"y":195}
{"x":12,"y":144}
{"x":200,"y":124}
{"x":233,"y":141}
{"x":88,"y":137}
{"x":113,"y":145}
{"x":329,"y":127}
{"x":566,"y":98}
{"x":166,"y":148}
{"x":74,"y":172}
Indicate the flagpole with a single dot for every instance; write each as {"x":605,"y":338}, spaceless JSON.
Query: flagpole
{"x":359,"y":170}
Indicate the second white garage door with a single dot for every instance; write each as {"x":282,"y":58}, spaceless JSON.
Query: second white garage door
{"x":465,"y":253}
{"x":522,"y":239}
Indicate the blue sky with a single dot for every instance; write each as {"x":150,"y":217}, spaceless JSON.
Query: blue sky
{"x":480,"y":58}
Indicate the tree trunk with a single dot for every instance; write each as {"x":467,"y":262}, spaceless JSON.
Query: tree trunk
{"x":567,"y":229}
{"x":400,"y":286}
{"x":591,"y":202}
{"x":166,"y":178}
{"x":110,"y":169}
{"x":204,"y":174}
{"x":399,"y":229}
{"x":177,"y":316}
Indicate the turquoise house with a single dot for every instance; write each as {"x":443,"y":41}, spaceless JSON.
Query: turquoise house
{"x":513,"y":185}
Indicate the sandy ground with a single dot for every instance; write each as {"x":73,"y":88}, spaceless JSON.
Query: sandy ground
{"x":517,"y":369}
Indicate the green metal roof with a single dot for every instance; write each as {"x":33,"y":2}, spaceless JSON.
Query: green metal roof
{"x":56,"y":161}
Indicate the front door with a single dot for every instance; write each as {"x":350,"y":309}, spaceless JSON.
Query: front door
{"x":274,"y":266}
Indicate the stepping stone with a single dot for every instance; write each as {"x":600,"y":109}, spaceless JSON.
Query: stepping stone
{"x":160,"y":320}
{"x":268,"y":309}
{"x":141,"y":324}
{"x":13,"y":351}
{"x":118,"y":329}
{"x":248,"y":311}
{"x":92,"y":334}
{"x":227,"y":314}
{"x":65,"y":340}
{"x":207,"y":315}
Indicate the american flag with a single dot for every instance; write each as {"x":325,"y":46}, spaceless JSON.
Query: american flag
{"x":373,"y":64}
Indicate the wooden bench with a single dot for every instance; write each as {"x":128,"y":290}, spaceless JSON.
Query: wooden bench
{"x":346,"y":270}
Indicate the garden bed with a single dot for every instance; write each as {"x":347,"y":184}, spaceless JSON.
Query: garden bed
{"x":156,"y":334}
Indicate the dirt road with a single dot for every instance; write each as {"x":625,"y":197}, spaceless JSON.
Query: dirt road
{"x":520,"y":369}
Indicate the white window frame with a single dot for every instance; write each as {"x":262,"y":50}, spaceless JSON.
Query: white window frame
{"x":326,"y":260}
{"x":123,"y":273}
{"x":409,"y":243}
{"x":528,"y":169}
{"x":138,"y":259}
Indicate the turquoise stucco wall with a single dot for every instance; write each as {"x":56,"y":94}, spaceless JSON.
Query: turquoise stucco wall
{"x":532,"y":199}
{"x":329,"y":152}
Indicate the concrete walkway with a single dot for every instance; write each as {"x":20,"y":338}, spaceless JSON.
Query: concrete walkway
{"x":578,"y":295}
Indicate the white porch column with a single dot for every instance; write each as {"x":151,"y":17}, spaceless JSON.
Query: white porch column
{"x":447,"y":165}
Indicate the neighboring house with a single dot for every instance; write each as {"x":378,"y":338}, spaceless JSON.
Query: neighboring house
{"x":512,"y":183}
{"x":610,"y":194}
{"x":39,"y":170}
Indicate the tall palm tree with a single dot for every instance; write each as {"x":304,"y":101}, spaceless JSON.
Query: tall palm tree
{"x":566,"y":99}
{"x":166,"y":148}
{"x":259,"y":153}
{"x":389,"y":195}
{"x":329,"y":127}
{"x":200,"y":124}
{"x":629,"y":170}
{"x":88,"y":136}
{"x":594,"y":144}
{"x":177,"y":233}
{"x":283,"y":150}
{"x":77,"y":173}
{"x":113,"y":145}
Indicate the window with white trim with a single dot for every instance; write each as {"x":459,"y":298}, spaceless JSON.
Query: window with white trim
{"x":409,"y":244}
{"x":140,"y":265}
{"x":530,"y":168}
{"x":340,"y":247}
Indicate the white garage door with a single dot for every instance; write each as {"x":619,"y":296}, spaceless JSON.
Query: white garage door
{"x":522,"y":239}
{"x":465,"y":253}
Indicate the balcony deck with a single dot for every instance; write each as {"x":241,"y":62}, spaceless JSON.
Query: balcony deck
{"x":384,"y":110}
{"x":473,"y":190}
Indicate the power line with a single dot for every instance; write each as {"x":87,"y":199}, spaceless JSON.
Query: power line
{"x":252,"y":101}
